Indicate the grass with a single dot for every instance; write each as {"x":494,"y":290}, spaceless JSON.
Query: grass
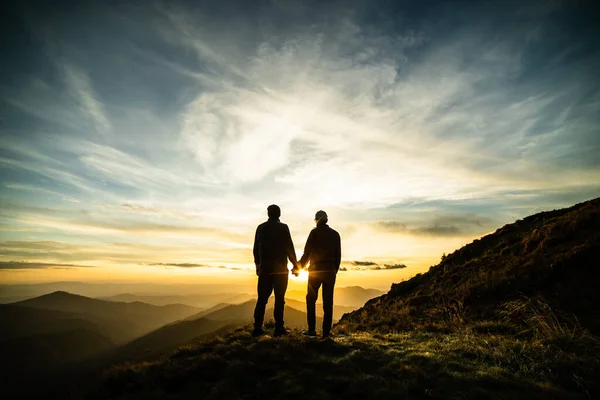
{"x":471,"y":363}
{"x":547,"y":263}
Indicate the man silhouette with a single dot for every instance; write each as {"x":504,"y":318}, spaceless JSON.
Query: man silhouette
{"x":323,"y":251}
{"x":272,"y":248}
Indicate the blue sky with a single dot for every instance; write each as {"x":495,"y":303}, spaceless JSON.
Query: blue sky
{"x":148,"y":138}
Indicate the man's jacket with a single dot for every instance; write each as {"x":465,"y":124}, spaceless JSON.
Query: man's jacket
{"x":272,"y":247}
{"x":323,"y":249}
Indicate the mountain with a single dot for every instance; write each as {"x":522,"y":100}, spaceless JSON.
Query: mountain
{"x":19,"y":321}
{"x":299,"y":305}
{"x":35,"y":342}
{"x":513,"y":315}
{"x":338,"y":311}
{"x":545,"y":266}
{"x":208,"y":311}
{"x":122,"y":321}
{"x":351,"y":296}
{"x":199,"y":300}
{"x":243,"y":313}
{"x":212,"y":293}
{"x":211,"y":322}
{"x":168,"y":337}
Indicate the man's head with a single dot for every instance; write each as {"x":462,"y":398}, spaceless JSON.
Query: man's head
{"x":321,"y":217}
{"x":273,"y":211}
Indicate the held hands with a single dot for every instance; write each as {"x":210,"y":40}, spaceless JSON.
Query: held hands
{"x":296,"y":269}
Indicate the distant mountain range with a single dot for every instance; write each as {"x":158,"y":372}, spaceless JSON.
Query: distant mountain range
{"x":122,"y":321}
{"x":59,"y":330}
{"x":18,"y":292}
{"x":49,"y":332}
{"x":195,"y":300}
{"x":220,"y":318}
{"x":201,"y":296}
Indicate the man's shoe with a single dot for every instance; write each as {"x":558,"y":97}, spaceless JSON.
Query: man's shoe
{"x":258,"y":332}
{"x":326,"y":336}
{"x":280,"y":332}
{"x":310,"y":334}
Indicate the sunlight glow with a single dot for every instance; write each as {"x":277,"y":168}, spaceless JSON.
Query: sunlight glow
{"x":302,"y":276}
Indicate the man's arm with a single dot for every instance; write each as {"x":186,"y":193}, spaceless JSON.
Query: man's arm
{"x":307,"y":250}
{"x":338,"y":252}
{"x":289,"y":247}
{"x":256,"y":251}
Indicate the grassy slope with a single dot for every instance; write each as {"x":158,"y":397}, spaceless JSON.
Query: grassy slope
{"x":361,"y":365}
{"x":544,"y":267}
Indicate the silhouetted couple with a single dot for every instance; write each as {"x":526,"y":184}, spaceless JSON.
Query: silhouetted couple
{"x":273,"y":247}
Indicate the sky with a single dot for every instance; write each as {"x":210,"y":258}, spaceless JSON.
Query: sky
{"x":144,"y":140}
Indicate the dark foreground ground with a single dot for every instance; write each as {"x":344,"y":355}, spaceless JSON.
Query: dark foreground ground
{"x":470,"y":363}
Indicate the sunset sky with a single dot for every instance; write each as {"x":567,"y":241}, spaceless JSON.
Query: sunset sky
{"x":144,"y":140}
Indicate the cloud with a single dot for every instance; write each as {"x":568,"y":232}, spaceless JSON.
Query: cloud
{"x":17,"y":186}
{"x":392,"y":266}
{"x":114,"y":252}
{"x":194,"y":265}
{"x":392,"y":226}
{"x":444,"y":225}
{"x":81,"y":89}
{"x":180,"y":265}
{"x":10,"y":265}
{"x":363,"y":263}
{"x":368,"y":266}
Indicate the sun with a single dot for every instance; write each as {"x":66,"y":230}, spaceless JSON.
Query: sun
{"x":302,"y":275}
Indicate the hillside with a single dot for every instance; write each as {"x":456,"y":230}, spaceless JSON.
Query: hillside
{"x":122,"y":321}
{"x":508,"y":316}
{"x":542,"y":269}
{"x":416,"y":365}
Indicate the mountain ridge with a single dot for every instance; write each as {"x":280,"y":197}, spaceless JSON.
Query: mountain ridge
{"x":124,"y":321}
{"x":547,"y":260}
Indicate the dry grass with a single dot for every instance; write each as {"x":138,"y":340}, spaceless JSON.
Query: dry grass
{"x":463,"y":364}
{"x":551,"y":257}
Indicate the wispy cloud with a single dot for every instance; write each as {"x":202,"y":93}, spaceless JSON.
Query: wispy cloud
{"x":179,"y":265}
{"x":81,"y":89}
{"x":447,"y":225}
{"x":368,"y":266}
{"x":10,"y":265}
{"x":363,"y":263}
